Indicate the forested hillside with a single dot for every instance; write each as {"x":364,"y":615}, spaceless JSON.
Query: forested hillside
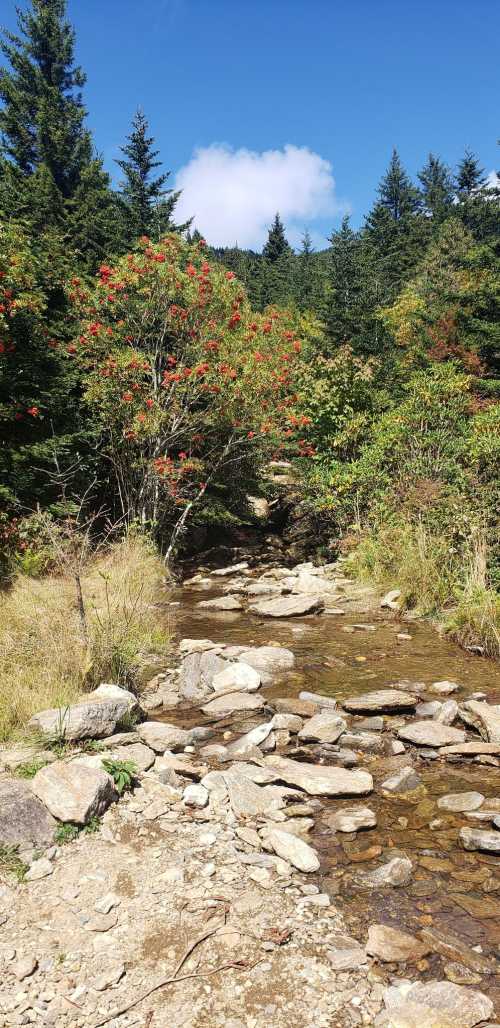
{"x":147,"y":377}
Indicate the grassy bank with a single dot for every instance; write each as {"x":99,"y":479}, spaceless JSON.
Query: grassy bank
{"x":45,"y":659}
{"x":437,"y":580}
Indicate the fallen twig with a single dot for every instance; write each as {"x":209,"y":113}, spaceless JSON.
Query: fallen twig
{"x":239,"y":965}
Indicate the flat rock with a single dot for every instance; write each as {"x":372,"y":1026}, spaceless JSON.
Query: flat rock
{"x":95,"y":718}
{"x":161,"y":737}
{"x":396,"y":872}
{"x":318,"y":780}
{"x":195,"y":796}
{"x":293,"y":849}
{"x":269,"y":660}
{"x":453,"y":948}
{"x":221,"y":603}
{"x":233,"y":569}
{"x":461,"y":801}
{"x":448,"y":712}
{"x":287,"y":606}
{"x":41,"y":868}
{"x":24,"y":820}
{"x":390,"y":944}
{"x":367,"y":742}
{"x":346,"y":954}
{"x":381,"y":701}
{"x":237,"y":677}
{"x":233,"y":702}
{"x":292,"y":705}
{"x":402,"y":781}
{"x":444,"y":688}
{"x":431,"y":733}
{"x":248,"y":799}
{"x":484,"y":717}
{"x":472,"y":749}
{"x":477,"y":839}
{"x":74,"y":792}
{"x":142,"y":756}
{"x":441,"y":1005}
{"x":351,"y":819}
{"x":323,"y":727}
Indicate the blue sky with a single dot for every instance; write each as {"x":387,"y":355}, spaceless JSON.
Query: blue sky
{"x":313,"y":89}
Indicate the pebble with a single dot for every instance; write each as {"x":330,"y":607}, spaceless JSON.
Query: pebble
{"x":25,"y":967}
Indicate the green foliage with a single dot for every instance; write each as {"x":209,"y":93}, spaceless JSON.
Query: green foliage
{"x":67,"y":832}
{"x":122,"y":772}
{"x":30,"y":768}
{"x":11,"y":863}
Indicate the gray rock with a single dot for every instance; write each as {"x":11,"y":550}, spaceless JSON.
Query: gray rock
{"x":287,"y":723}
{"x":437,"y":1005}
{"x":477,"y":839}
{"x":248,"y":799}
{"x":369,"y":724}
{"x":323,"y":727}
{"x":402,"y":781}
{"x":288,"y":606}
{"x":24,"y":821}
{"x":368,"y":742}
{"x":289,"y":847}
{"x":142,"y":756}
{"x":461,"y":801}
{"x":396,"y":747}
{"x":430,"y":709}
{"x":396,"y":872}
{"x":237,"y":677}
{"x":73,"y":792}
{"x":231,"y":703}
{"x":484,"y":717}
{"x":318,"y":780}
{"x":195,"y":796}
{"x":96,"y":718}
{"x":444,"y":688}
{"x":390,"y":944}
{"x":231,"y":570}
{"x":431,"y":733}
{"x":198,"y":672}
{"x":381,"y":701}
{"x":448,"y":712}
{"x":41,"y":868}
{"x":346,"y":954}
{"x":391,"y":600}
{"x":351,"y":819}
{"x":268,"y":660}
{"x":24,"y":968}
{"x":221,"y":603}
{"x":327,"y":702}
{"x":161,"y":737}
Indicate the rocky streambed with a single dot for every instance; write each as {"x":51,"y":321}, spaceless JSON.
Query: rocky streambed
{"x":312,"y":839}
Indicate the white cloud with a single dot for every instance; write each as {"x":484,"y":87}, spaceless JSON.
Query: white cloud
{"x":234,"y":194}
{"x":493,"y":180}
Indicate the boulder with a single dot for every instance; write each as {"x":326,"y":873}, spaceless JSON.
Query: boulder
{"x":264,"y":589}
{"x":444,"y":688}
{"x":391,"y":600}
{"x":142,"y":756}
{"x":95,"y":718}
{"x":323,"y":727}
{"x":380,"y":702}
{"x":268,"y":660}
{"x":477,"y":839}
{"x":198,"y":671}
{"x":390,"y":944}
{"x":221,"y":603}
{"x":24,"y":821}
{"x":435,"y":1005}
{"x":237,"y":677}
{"x":73,"y":791}
{"x":396,"y":872}
{"x":484,"y":717}
{"x":160,"y":736}
{"x":431,"y":733}
{"x":287,"y":723}
{"x":232,"y":703}
{"x":289,"y":847}
{"x":318,"y":780}
{"x":447,"y":713}
{"x":459,"y":802}
{"x":351,"y":819}
{"x":287,"y":606}
{"x":311,"y":585}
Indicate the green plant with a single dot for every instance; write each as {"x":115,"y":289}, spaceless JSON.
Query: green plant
{"x":29,"y":768}
{"x":93,"y":825}
{"x":11,"y":863}
{"x":66,"y":832}
{"x":122,"y":773}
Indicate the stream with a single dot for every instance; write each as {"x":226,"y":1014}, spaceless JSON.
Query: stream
{"x":452,"y":891}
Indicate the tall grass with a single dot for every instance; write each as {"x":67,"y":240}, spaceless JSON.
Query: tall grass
{"x":436,"y":579}
{"x":45,"y":660}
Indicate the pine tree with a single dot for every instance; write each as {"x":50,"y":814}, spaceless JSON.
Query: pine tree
{"x":277,"y":244}
{"x":46,"y":147}
{"x":470,"y":176}
{"x":396,"y":232}
{"x":307,"y":288}
{"x":437,"y":188}
{"x":350,"y":300}
{"x":149,"y":206}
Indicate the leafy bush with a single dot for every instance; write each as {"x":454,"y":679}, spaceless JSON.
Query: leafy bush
{"x":122,"y":773}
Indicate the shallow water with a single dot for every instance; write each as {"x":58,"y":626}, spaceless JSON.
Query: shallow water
{"x":335,"y":662}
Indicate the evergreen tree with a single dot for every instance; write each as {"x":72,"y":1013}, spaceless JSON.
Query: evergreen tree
{"x":149,"y":206}
{"x":470,"y":176}
{"x":350,"y":300}
{"x":307,"y":282}
{"x":437,"y":188}
{"x":46,"y":148}
{"x":396,"y":232}
{"x":277,"y":245}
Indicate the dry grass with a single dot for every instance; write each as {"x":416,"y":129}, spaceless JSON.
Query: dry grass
{"x":44,"y":659}
{"x":476,"y":621}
